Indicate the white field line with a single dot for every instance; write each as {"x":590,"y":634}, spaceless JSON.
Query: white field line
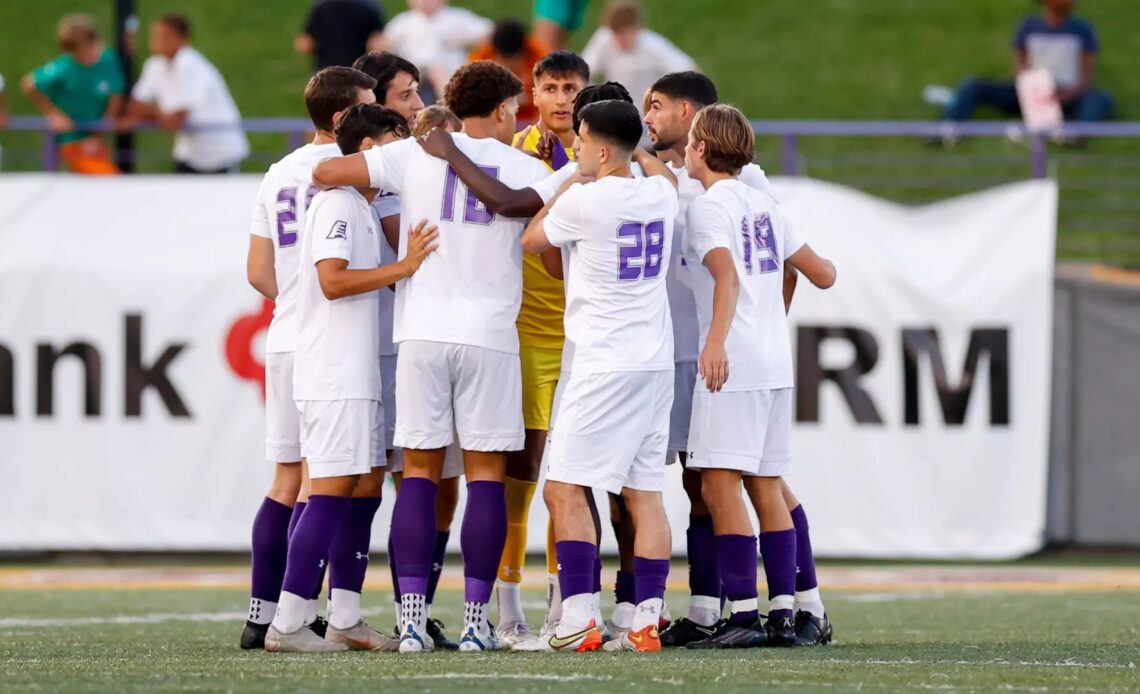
{"x":151,"y":618}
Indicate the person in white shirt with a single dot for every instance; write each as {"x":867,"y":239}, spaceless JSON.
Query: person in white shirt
{"x":337,"y":388}
{"x":437,"y":38}
{"x":625,"y":51}
{"x":737,"y":244}
{"x":180,"y":90}
{"x":458,"y":369}
{"x":611,"y":426}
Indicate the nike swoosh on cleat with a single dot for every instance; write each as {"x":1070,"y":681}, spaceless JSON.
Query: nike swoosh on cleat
{"x":558,"y":643}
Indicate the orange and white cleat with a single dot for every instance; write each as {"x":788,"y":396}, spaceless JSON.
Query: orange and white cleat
{"x":647,"y":641}
{"x":588,"y":639}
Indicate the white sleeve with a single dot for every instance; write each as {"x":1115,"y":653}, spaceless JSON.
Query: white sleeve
{"x":547,"y":187}
{"x":707,"y":227}
{"x":331,"y":228}
{"x":669,"y":58}
{"x":563,"y":223}
{"x":387,"y":165}
{"x":261,"y":225}
{"x":754,"y":177}
{"x":145,"y":88}
{"x":596,"y":49}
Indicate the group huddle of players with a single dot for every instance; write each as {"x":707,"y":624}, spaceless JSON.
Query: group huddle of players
{"x":561,"y":299}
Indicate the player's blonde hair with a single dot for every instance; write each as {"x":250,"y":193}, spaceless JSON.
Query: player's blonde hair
{"x":74,"y":30}
{"x":727,"y":136}
{"x":436,"y":116}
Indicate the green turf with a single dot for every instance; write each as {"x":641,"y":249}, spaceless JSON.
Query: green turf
{"x":794,"y":59}
{"x":975,"y":642}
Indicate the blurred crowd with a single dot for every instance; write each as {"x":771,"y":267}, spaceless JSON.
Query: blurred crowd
{"x":180,"y":90}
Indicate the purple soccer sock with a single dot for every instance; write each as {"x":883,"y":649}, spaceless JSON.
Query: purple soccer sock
{"x":805,"y":560}
{"x":348,"y":553}
{"x":439,"y":555}
{"x":575,"y":567}
{"x":413,"y":530}
{"x":310,"y":543}
{"x":482,"y":538}
{"x":624,"y":590}
{"x":298,"y":509}
{"x":270,"y":550}
{"x":779,"y":551}
{"x":737,"y":557}
{"x":704,"y":575}
{"x":392,"y":567}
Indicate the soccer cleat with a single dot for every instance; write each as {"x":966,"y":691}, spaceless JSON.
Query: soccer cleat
{"x":588,"y":639}
{"x":513,"y":633}
{"x":362,"y":637}
{"x":728,"y":634}
{"x":684,"y":631}
{"x":476,"y":640}
{"x":781,"y":632}
{"x":645,"y":641}
{"x":253,"y":636}
{"x":412,"y":641}
{"x":811,"y":630}
{"x":435,"y":631}
{"x":301,"y":641}
{"x":320,"y":626}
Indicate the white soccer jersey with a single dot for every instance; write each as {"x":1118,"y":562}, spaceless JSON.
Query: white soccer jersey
{"x":338,"y":342}
{"x":469,"y":290}
{"x":685,"y":335}
{"x":749,"y":223}
{"x":279,"y":214}
{"x":386,"y":205}
{"x":619,"y":235}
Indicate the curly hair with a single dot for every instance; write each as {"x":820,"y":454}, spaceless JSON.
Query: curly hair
{"x":477,"y":89}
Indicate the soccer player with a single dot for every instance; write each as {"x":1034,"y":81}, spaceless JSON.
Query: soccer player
{"x":458,"y":369}
{"x":271,"y":267}
{"x":611,"y":428}
{"x":558,"y":78}
{"x":737,"y":244}
{"x":336,"y":378}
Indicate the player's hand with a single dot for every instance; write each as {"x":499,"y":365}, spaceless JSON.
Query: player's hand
{"x":438,"y":143}
{"x":714,"y":366}
{"x":60,"y":122}
{"x":421,"y":244}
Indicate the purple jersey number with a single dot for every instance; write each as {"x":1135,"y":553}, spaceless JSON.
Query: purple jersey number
{"x":474,"y":211}
{"x":642,"y":258}
{"x":758,"y":235}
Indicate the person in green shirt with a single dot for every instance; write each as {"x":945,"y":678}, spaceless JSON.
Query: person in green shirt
{"x":86,"y":83}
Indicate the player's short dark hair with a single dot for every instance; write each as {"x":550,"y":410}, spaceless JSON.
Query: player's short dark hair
{"x":562,"y":64}
{"x":383,"y":67}
{"x":727,"y":135}
{"x":477,"y":89}
{"x":178,"y":23}
{"x":689,"y":85}
{"x":509,"y":37}
{"x":614,"y":121}
{"x":331,"y":90}
{"x":595,"y":93}
{"x":368,"y":120}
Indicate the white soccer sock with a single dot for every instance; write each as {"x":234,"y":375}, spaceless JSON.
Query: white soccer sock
{"x":623,"y":615}
{"x":290,"y":613}
{"x":510,"y":603}
{"x":553,"y":599}
{"x":413,"y":610}
{"x":781,"y":602}
{"x":577,"y":611}
{"x":704,"y":610}
{"x":648,"y":613}
{"x":344,"y":609}
{"x":261,"y":611}
{"x":310,"y":611}
{"x":810,"y":601}
{"x":475,"y":614}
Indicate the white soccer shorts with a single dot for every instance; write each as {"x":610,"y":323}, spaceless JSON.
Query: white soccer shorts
{"x":444,"y":389}
{"x":611,"y":431}
{"x":749,"y":431}
{"x":282,"y":421}
{"x":342,"y":437}
{"x":684,"y":379}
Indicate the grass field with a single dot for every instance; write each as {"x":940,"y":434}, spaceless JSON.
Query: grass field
{"x":777,"y":59}
{"x":1012,"y":628}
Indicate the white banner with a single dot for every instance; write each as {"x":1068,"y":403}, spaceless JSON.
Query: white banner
{"x":130,"y":363}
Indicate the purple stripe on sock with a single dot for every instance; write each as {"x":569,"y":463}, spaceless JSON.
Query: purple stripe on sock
{"x":779,"y":551}
{"x":392,"y":567}
{"x":438,"y":557}
{"x":413,"y":529}
{"x":704,"y":575}
{"x":310,"y":543}
{"x":348,"y":553}
{"x":270,"y":549}
{"x":649,"y":576}
{"x":805,"y":559}
{"x":575,"y":566}
{"x":298,"y":509}
{"x":736,"y":555}
{"x":624,"y":587}
{"x":482,"y":537}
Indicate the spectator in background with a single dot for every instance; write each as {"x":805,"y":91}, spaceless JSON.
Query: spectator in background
{"x":555,"y":19}
{"x":84,"y":84}
{"x":182,"y":91}
{"x":513,"y":49}
{"x":436,"y":37}
{"x":624,"y":51}
{"x":337,"y":32}
{"x":1064,"y":45}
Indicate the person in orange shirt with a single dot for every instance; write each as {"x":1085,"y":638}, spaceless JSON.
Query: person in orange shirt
{"x":510,"y":47}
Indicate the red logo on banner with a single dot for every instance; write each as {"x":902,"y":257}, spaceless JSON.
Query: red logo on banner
{"x":239,"y":345}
